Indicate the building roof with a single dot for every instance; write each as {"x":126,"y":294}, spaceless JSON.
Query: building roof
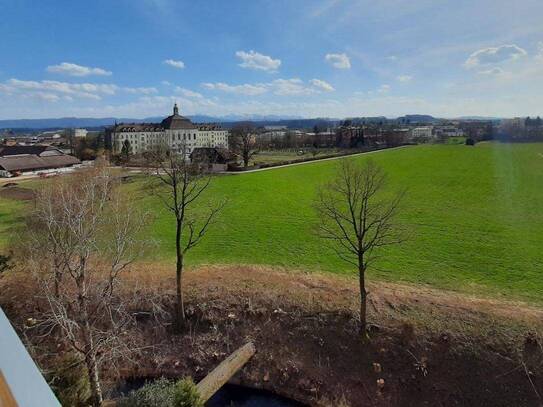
{"x":18,"y":150}
{"x":173,"y":122}
{"x":137,"y":127}
{"x":176,"y":121}
{"x":212,"y":154}
{"x":210,"y":127}
{"x":32,"y":162}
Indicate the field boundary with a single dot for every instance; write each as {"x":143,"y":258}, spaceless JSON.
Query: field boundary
{"x":311,"y":161}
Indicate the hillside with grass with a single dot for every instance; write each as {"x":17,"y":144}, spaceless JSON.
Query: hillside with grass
{"x":474,"y":216}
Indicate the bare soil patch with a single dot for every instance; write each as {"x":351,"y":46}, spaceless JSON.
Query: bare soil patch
{"x":427,"y":347}
{"x":17,"y":193}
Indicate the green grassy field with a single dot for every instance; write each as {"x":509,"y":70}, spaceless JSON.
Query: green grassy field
{"x":475,"y":215}
{"x":10,"y":217}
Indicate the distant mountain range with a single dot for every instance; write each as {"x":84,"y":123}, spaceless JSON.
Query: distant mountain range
{"x":87,"y":122}
{"x":20,"y":125}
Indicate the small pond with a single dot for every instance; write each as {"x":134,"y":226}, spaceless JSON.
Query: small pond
{"x":231,"y":395}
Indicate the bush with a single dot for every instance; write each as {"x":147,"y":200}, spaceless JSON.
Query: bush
{"x":186,"y":394}
{"x":70,"y":382}
{"x":158,"y":393}
{"x":164,"y":393}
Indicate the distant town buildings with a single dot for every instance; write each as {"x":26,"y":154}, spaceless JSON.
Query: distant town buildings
{"x":424,"y":133}
{"x":77,"y":133}
{"x":175,"y":131}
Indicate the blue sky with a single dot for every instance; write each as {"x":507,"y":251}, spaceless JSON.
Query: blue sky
{"x":327,"y":58}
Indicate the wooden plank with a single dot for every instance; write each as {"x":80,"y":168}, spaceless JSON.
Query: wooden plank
{"x":222,"y":373}
{"x":6,"y":397}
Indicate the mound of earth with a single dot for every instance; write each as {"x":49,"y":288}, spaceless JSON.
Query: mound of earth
{"x":17,"y":193}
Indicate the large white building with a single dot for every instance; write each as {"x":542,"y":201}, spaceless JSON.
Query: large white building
{"x":422,"y":133}
{"x":175,"y":131}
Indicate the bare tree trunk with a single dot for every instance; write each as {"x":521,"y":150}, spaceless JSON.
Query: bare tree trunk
{"x":90,"y":354}
{"x":363,"y":299}
{"x":245,"y":158}
{"x":180,"y":306}
{"x":96,"y":390}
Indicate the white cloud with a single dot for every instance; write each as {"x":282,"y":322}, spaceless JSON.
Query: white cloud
{"x":494,"y":55}
{"x":48,"y":97}
{"x":339,"y":61}
{"x":539,"y":55}
{"x":174,"y":63}
{"x":255,"y":60}
{"x":71,"y":69}
{"x":141,"y":91}
{"x":280,"y":87}
{"x":322,"y":85}
{"x":492,"y":71}
{"x":404,"y":78}
{"x":384,"y":89}
{"x":81,"y":90}
{"x":246,"y":89}
{"x":293,"y":86}
{"x":188,"y":93}
{"x":165,"y":83}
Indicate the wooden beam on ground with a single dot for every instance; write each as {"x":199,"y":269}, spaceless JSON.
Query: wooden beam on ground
{"x":222,"y":373}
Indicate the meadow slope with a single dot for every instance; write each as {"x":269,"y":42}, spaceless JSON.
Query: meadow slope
{"x":475,"y":216}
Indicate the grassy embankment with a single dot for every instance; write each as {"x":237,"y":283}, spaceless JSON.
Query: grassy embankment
{"x":475,"y":216}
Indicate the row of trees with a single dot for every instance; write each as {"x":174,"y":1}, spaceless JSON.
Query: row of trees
{"x":81,"y":236}
{"x":84,"y":234}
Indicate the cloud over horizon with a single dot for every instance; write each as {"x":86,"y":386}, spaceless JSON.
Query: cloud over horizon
{"x":495,"y":55}
{"x":71,"y":69}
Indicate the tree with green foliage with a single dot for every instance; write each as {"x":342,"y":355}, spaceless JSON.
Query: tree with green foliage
{"x":126,"y":150}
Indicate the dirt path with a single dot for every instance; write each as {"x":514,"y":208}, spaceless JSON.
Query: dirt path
{"x":311,"y":162}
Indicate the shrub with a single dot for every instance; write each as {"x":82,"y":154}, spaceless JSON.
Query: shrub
{"x":164,"y":393}
{"x":186,"y":394}
{"x":70,"y":382}
{"x":159,"y":393}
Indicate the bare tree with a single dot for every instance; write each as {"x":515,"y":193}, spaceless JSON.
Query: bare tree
{"x":181,"y":188}
{"x":357,"y":219}
{"x":80,"y":237}
{"x":243,"y":142}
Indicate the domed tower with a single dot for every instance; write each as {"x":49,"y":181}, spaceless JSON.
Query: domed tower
{"x":176,"y":121}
